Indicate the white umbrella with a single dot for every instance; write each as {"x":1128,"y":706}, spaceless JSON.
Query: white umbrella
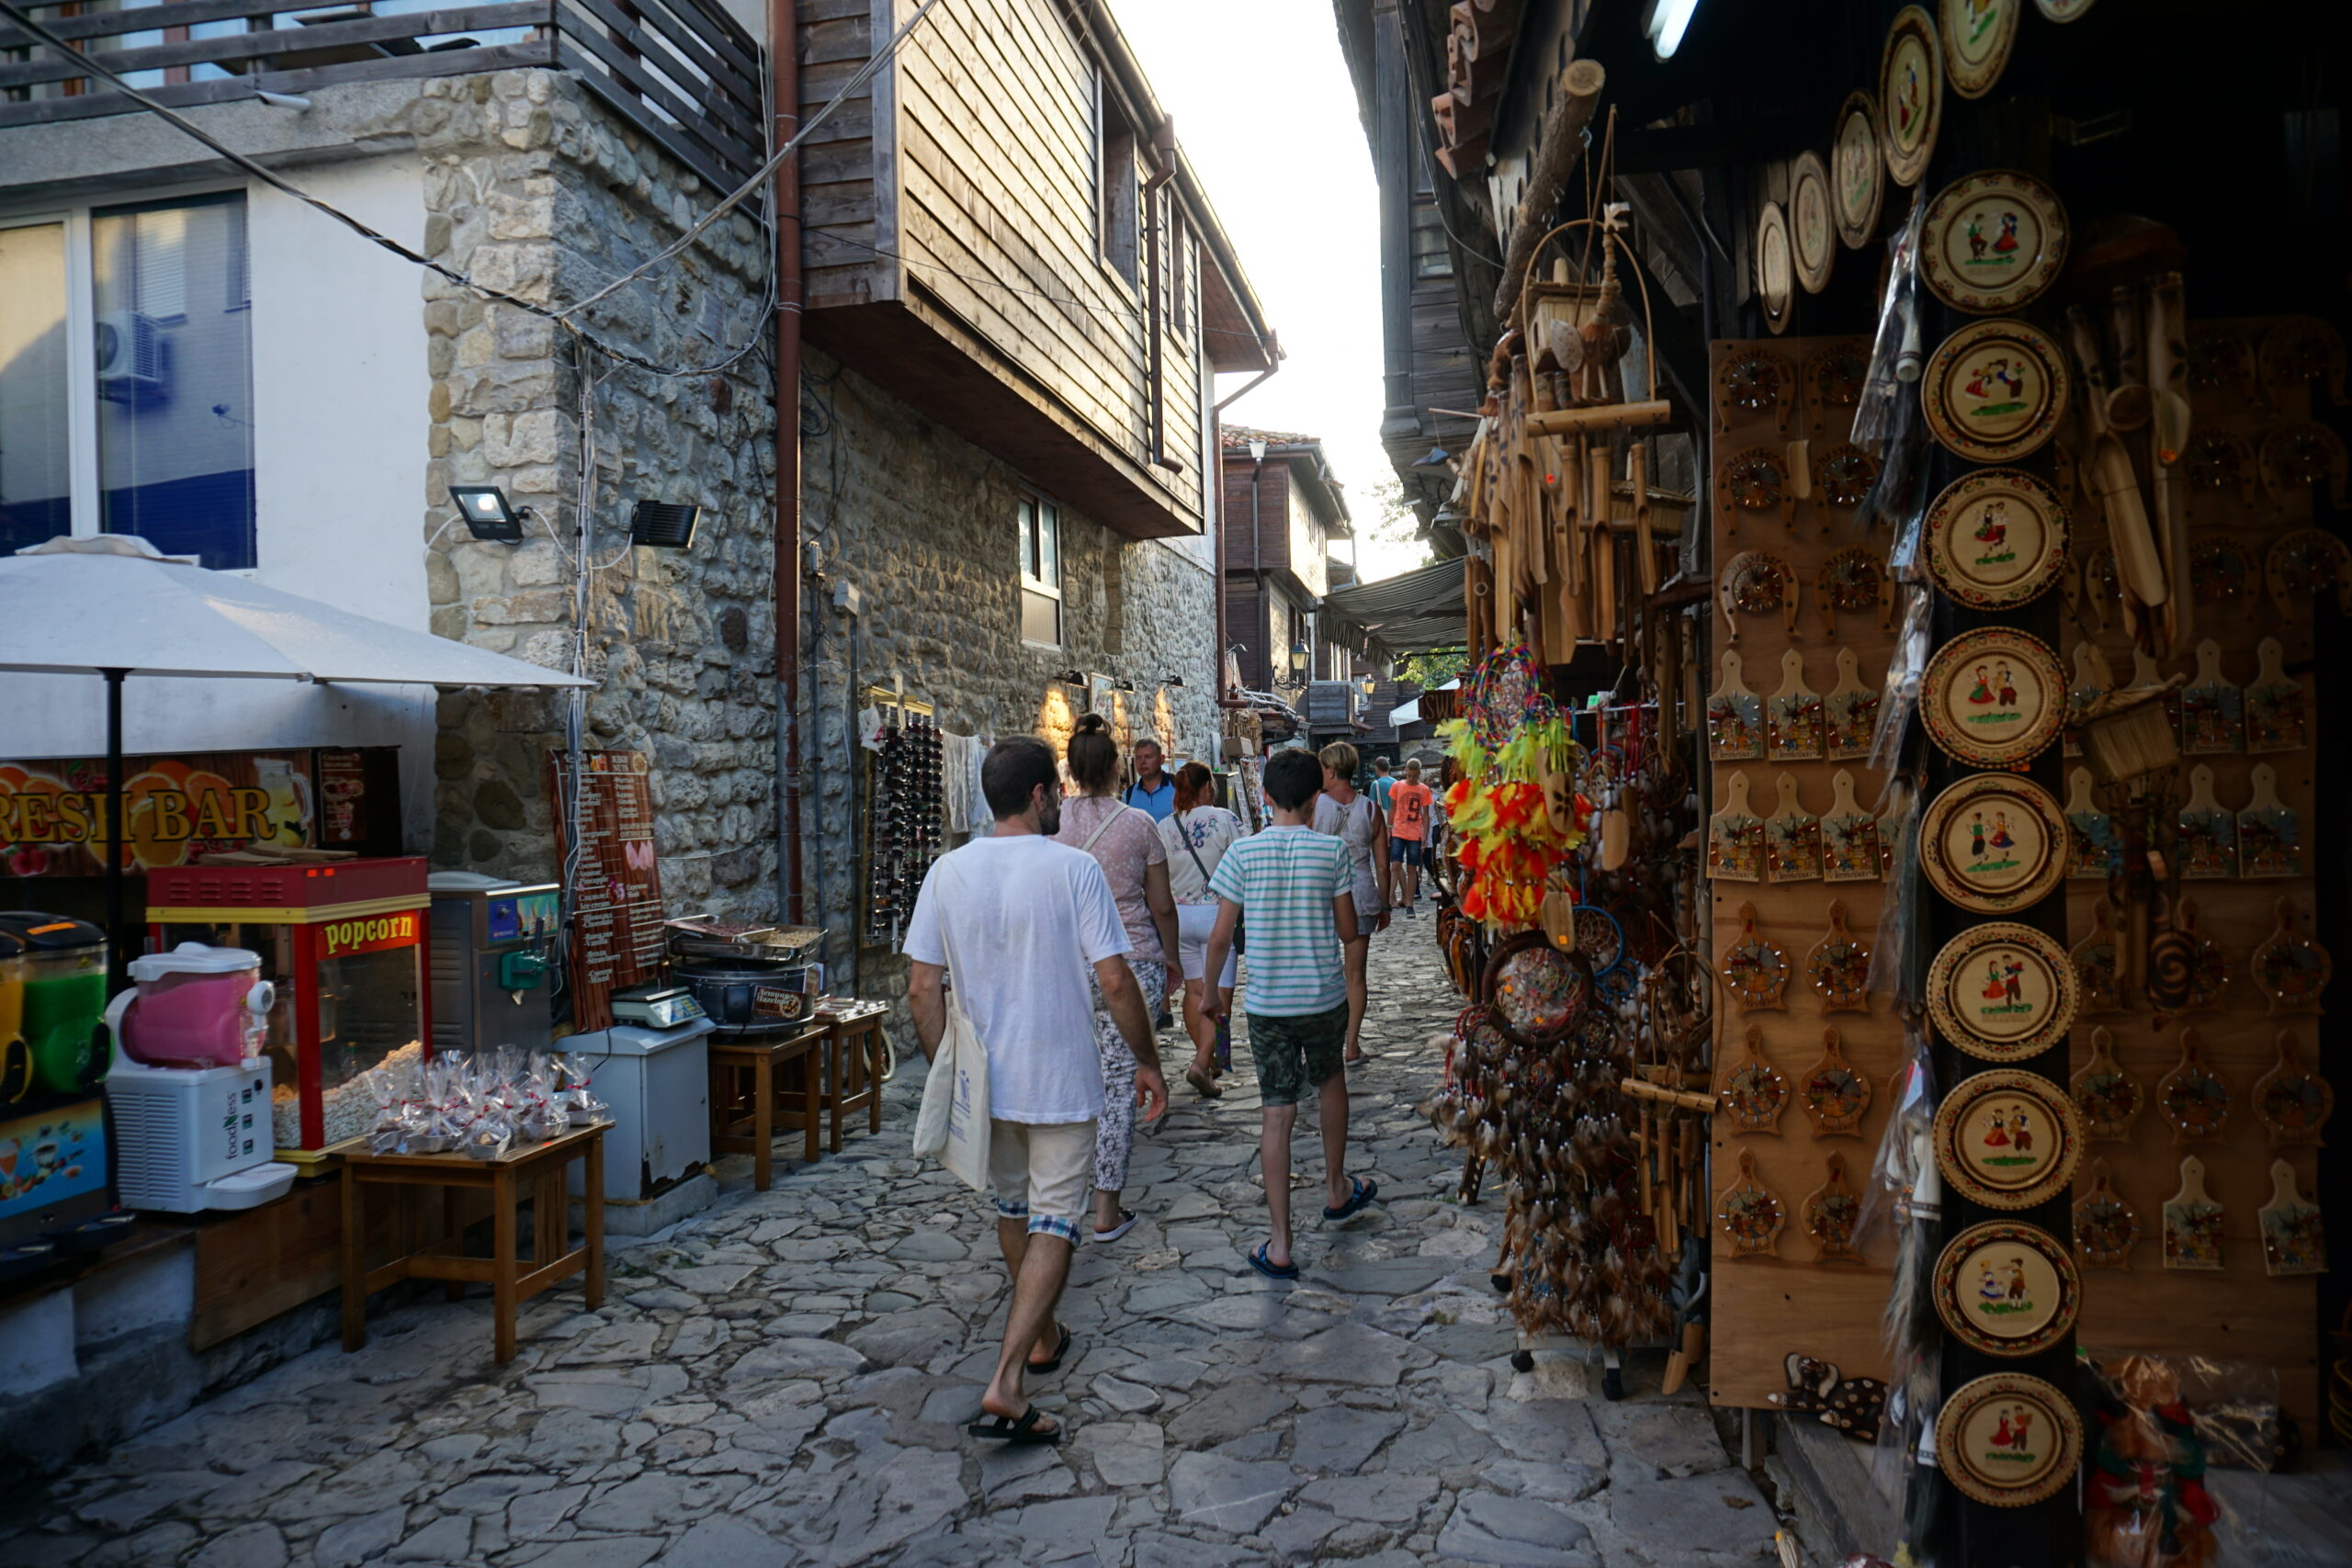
{"x":114,"y":606}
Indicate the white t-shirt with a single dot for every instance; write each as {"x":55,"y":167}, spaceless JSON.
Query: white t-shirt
{"x":1210,"y":832}
{"x":1030,"y":918}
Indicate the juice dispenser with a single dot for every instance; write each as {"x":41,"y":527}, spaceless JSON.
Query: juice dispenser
{"x":344,"y":946}
{"x":16,"y":1057}
{"x":64,"y":994}
{"x":490,"y":945}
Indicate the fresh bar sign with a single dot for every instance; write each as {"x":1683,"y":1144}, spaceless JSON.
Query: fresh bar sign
{"x":374,"y":934}
{"x":54,"y":813}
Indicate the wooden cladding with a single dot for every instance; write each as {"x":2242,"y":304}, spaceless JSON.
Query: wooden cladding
{"x":682,"y":72}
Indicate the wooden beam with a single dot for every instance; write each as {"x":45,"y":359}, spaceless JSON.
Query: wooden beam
{"x":1556,"y":158}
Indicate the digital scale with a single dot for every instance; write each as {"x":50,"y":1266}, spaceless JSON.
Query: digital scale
{"x":657,"y":1007}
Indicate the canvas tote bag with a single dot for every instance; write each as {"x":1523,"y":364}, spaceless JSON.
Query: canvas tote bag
{"x":954,"y":1122}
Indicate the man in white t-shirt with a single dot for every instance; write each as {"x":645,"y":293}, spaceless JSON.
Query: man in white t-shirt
{"x":1030,"y":916}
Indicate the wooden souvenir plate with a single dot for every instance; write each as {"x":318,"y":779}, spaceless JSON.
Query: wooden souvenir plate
{"x":2002,"y":992}
{"x":1977,"y":36}
{"x":1812,"y":227}
{"x":1536,"y":991}
{"x":1775,"y":266}
{"x":1995,"y":697}
{"x":1994,"y":391}
{"x":2009,"y":1440}
{"x":2007,"y":1289}
{"x":1993,"y":241}
{"x":2063,"y":10}
{"x":2008,"y":1139}
{"x":1996,"y":537}
{"x":1910,"y":93}
{"x":1993,"y":842}
{"x":1858,"y":171}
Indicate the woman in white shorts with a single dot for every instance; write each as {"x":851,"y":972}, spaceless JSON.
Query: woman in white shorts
{"x":1196,"y":835}
{"x":1356,"y":820}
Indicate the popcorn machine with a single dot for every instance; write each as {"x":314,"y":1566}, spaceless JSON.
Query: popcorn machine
{"x":344,"y":945}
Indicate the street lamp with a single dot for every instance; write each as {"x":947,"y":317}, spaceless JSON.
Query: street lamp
{"x":1298,"y":655}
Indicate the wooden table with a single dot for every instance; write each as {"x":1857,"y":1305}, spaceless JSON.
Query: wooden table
{"x":852,"y":1080}
{"x":536,"y":1171}
{"x":745,"y":1121}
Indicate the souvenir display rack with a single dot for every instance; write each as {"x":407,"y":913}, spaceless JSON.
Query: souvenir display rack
{"x":905,"y":813}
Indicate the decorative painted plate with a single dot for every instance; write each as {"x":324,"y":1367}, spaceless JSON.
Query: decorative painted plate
{"x":1775,"y":266}
{"x":1812,"y":227}
{"x":2009,"y":1440}
{"x":1993,"y":842}
{"x":1994,"y":697}
{"x":1996,"y":537}
{"x":2008,"y":1139}
{"x":2002,"y":992}
{"x":1856,"y":171}
{"x":1977,"y":36}
{"x":2007,"y":1289}
{"x":1910,"y":93}
{"x":1994,"y":391}
{"x":1993,"y":241}
{"x":2063,"y":10}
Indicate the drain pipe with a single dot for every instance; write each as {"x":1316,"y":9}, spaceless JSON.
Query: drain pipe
{"x":784,"y":66}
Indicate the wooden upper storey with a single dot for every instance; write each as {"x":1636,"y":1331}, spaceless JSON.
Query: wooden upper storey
{"x":981,"y":230}
{"x":1282,"y":513}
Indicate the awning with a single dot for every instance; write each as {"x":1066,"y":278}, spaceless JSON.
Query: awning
{"x":1411,"y":712}
{"x":1415,"y":612}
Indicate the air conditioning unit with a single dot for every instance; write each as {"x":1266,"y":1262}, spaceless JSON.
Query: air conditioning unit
{"x":131,"y":356}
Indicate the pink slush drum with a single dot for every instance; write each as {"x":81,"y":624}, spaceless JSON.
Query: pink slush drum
{"x":195,"y":1007}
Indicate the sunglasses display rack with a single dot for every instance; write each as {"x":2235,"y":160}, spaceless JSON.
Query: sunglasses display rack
{"x":905,"y":814}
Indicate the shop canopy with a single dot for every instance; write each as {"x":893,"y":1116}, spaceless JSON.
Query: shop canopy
{"x":1415,"y":612}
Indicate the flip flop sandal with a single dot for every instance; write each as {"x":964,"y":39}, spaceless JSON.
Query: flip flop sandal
{"x":1364,"y":1193}
{"x":1271,"y":1269}
{"x":1013,"y":1431}
{"x":1061,"y":1352}
{"x":1203,"y":1084}
{"x":1126,"y":1223}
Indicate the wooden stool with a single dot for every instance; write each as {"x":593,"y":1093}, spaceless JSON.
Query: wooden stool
{"x":536,"y":1171}
{"x":745,"y":1120}
{"x":853,"y":1079}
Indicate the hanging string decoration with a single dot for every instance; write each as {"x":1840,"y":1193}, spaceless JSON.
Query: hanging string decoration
{"x":1512,"y":809}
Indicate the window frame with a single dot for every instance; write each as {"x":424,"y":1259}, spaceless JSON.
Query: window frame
{"x":86,"y":503}
{"x":1118,"y":211}
{"x":1039,"y":514}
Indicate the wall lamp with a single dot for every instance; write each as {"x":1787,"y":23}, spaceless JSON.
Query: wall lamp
{"x":1067,"y":678}
{"x":663,"y":525}
{"x":488,"y":513}
{"x":1123,"y":685}
{"x":1171,"y":680}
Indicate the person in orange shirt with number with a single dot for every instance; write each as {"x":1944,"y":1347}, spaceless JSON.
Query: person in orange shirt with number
{"x":1408,"y":831}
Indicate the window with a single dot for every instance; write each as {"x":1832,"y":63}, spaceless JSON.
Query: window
{"x":1177,"y":274}
{"x":1117,"y":189}
{"x":153,"y":434}
{"x":1041,"y":571}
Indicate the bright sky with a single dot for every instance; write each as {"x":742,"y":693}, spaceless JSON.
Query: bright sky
{"x":1265,"y":111}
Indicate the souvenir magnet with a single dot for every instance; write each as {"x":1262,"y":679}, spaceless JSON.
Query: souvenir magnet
{"x":2294,"y":1234}
{"x":2109,"y":1097}
{"x":2300,"y":350}
{"x":2009,"y":1440}
{"x":1997,"y":538}
{"x":1994,"y":697}
{"x":2002,"y":991}
{"x":1995,"y":390}
{"x":1833,"y":381}
{"x":2007,"y":1139}
{"x":2220,"y":571}
{"x":1736,"y":836}
{"x":1911,"y":91}
{"x":2222,"y":364}
{"x":2094,"y":849}
{"x":1993,"y":843}
{"x":2208,"y":967}
{"x":2104,"y":1225}
{"x":1734,"y":716}
{"x":2192,"y":1222}
{"x":1755,"y":971}
{"x":1858,"y":171}
{"x":2007,"y":1288}
{"x":1836,"y":1092}
{"x":1756,"y":582}
{"x":2293,"y":1101}
{"x":1842,"y":477}
{"x":1791,"y":837}
{"x":1839,"y":966}
{"x":1753,"y":1093}
{"x":2306,"y":562}
{"x":2193,"y":1099}
{"x":2277,"y":711}
{"x":2270,"y":832}
{"x":2212,"y":712}
{"x":1755,"y":481}
{"x":1849,"y":712}
{"x":1793,"y":715}
{"x":2098,"y":965}
{"x":2220,"y":462}
{"x":1756,"y":382}
{"x":1813,"y":228}
{"x":1750,"y":1216}
{"x":1993,"y":243}
{"x":1851,"y":850}
{"x":2208,"y":845}
{"x":2295,"y":457}
{"x":1855,"y":581}
{"x":1832,"y":1214}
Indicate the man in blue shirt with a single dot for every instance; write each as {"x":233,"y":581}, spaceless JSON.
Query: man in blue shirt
{"x":1154,"y":789}
{"x":1380,"y":783}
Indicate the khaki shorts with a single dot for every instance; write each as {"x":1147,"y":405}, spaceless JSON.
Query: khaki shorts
{"x":1041,"y":1171}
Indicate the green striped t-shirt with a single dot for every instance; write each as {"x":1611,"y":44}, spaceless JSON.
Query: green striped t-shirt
{"x":1285,"y":879}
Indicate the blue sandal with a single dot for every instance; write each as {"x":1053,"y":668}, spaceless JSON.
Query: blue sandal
{"x":1364,"y":1193}
{"x":1271,"y":1269}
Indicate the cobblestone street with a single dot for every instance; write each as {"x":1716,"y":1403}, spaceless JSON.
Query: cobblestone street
{"x":784,"y":1379}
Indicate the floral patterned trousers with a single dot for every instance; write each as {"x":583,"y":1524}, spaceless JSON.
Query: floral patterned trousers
{"x":1114,"y":1133}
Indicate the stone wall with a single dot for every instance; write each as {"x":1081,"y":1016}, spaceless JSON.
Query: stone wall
{"x":531,"y":187}
{"x":925,"y":525}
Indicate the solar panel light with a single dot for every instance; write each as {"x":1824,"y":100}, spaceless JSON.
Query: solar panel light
{"x":488,"y":513}
{"x":663,"y":525}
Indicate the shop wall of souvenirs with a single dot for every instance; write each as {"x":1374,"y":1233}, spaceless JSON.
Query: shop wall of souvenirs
{"x":1894,"y":922}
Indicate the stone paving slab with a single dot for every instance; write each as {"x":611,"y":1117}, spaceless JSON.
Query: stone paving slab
{"x":784,"y":1377}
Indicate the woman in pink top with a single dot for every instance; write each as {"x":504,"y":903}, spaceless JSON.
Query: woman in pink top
{"x":1125,"y":843}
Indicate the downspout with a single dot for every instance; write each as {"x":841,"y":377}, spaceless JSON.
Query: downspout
{"x":784,"y":66}
{"x":1163,"y":148}
{"x":1224,"y":697}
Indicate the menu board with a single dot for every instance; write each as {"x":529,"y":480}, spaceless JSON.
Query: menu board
{"x":617,"y":933}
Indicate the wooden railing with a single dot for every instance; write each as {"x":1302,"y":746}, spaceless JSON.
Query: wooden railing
{"x":682,"y":72}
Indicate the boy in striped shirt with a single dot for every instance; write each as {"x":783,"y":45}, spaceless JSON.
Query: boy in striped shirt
{"x":1295,"y":887}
